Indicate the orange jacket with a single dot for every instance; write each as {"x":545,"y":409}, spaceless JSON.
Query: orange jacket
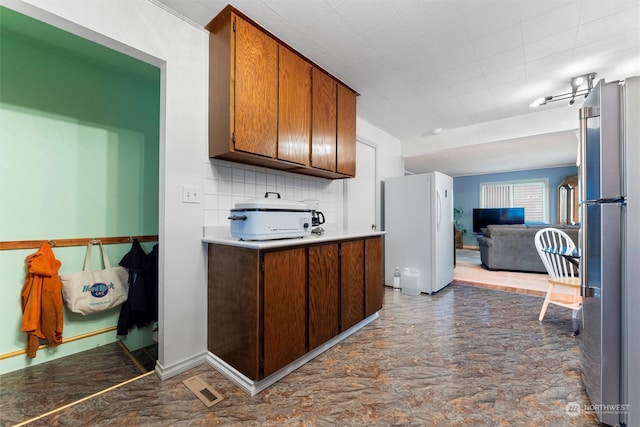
{"x":42,"y":300}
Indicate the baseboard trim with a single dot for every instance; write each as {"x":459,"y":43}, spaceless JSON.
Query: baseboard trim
{"x":252,"y":387}
{"x":166,"y":372}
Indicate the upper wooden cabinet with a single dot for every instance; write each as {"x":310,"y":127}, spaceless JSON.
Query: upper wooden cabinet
{"x":323,"y":129}
{"x":333,"y":132}
{"x":243,"y":85}
{"x":256,"y":90}
{"x":346,"y":134}
{"x":294,"y":107}
{"x":267,"y":107}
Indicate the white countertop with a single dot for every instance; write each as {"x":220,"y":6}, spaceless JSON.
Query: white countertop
{"x":222,"y":235}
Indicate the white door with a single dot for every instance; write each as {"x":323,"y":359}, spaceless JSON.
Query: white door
{"x":360,"y":192}
{"x":444,"y":247}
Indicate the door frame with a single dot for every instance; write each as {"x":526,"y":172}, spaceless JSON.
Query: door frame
{"x":377,"y":186}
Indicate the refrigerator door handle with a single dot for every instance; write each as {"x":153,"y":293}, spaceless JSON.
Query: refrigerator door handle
{"x":584,"y":113}
{"x":611,"y":201}
{"x":583,"y":267}
{"x":439,"y":209}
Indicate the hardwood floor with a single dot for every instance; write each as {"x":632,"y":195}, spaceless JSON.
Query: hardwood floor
{"x":469,"y":271}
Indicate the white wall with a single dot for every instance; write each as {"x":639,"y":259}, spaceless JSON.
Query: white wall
{"x":226,"y":183}
{"x":143,"y":30}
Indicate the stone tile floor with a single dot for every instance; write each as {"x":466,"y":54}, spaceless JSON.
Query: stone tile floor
{"x":463,"y":356}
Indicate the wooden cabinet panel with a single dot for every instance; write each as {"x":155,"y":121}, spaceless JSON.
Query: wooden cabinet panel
{"x":220,"y":84}
{"x":324,"y":294}
{"x":233,"y":307}
{"x":265,"y":309}
{"x":285,"y":309}
{"x":264,"y":110}
{"x":294,"y":114}
{"x":346,"y":134}
{"x":351,"y":283}
{"x":373,"y":287}
{"x":256,"y":90}
{"x":323,"y":128}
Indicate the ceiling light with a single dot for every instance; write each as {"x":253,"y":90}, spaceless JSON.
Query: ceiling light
{"x":537,"y":102}
{"x":576,"y":82}
{"x":437,"y":130}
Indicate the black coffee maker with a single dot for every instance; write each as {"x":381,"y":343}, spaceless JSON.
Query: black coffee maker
{"x":317,"y":217}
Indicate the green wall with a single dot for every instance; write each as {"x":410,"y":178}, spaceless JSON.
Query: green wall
{"x":79,"y":140}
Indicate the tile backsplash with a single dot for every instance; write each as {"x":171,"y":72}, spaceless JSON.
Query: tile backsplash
{"x":226,"y":183}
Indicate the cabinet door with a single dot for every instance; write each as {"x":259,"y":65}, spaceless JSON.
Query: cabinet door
{"x":323,"y":119}
{"x":373,"y":287}
{"x":255,"y":106}
{"x":294,"y":117}
{"x":233,"y":297}
{"x":285,"y":280}
{"x":346,"y":134}
{"x":324,"y":294}
{"x":351,"y":283}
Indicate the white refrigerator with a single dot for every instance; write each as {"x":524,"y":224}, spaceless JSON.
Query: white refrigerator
{"x":418,"y":219}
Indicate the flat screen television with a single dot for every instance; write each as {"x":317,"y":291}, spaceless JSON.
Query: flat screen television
{"x":484,"y":217}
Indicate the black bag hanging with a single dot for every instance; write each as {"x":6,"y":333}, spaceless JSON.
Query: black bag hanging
{"x":141,"y":308}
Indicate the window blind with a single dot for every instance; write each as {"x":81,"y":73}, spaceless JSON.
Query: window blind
{"x":529,"y":195}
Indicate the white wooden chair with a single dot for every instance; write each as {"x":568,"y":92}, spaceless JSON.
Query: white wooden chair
{"x":562,"y":273}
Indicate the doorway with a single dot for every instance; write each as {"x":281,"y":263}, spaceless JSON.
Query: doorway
{"x":360,"y":198}
{"x":81,"y":133}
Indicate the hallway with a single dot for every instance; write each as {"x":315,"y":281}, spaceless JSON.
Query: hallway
{"x":463,"y":356}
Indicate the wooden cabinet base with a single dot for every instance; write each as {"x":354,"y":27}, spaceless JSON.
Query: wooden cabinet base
{"x":252,"y":387}
{"x":270,"y":309}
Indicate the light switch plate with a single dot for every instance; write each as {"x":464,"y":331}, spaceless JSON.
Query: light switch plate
{"x":191,"y":194}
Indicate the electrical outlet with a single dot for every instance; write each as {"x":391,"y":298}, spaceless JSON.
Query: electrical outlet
{"x":190,"y":194}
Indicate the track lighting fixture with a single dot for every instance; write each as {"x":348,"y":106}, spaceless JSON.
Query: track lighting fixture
{"x":576,"y":83}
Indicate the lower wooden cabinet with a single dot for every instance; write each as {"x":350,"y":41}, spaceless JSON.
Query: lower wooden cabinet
{"x":285,"y":307}
{"x":267,"y":308}
{"x":233,"y":307}
{"x":373,"y":291}
{"x":351,"y":283}
{"x":324,"y":294}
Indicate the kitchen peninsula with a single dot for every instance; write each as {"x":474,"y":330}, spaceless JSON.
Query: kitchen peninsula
{"x":274,"y":305}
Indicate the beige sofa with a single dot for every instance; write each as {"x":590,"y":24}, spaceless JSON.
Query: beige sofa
{"x":512,"y":247}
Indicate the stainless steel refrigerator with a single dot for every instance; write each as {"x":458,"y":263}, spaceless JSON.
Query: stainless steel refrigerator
{"x":418,"y":219}
{"x":605,"y":143}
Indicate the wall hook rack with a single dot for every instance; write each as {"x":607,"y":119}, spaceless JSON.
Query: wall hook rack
{"x":58,"y":243}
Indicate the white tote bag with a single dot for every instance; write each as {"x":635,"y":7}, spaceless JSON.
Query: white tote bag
{"x":88,"y":291}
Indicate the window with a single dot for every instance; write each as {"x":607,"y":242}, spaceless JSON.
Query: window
{"x":530,"y":195}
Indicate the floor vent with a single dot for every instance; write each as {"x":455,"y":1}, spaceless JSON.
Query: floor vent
{"x":207,"y":394}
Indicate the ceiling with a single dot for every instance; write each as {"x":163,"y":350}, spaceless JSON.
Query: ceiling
{"x":455,"y":64}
